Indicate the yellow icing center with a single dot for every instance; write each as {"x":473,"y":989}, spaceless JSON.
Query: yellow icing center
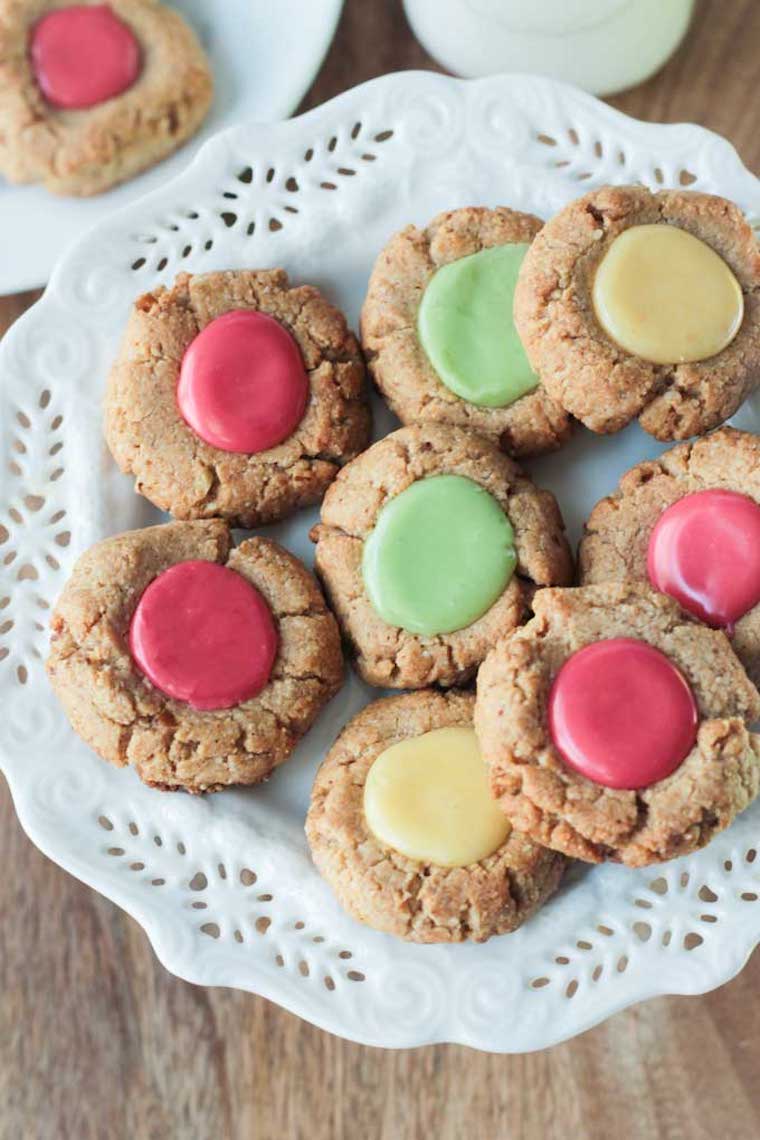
{"x":428,"y":798}
{"x":665,"y":296}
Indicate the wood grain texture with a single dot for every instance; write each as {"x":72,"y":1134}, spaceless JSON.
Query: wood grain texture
{"x":97,"y":1042}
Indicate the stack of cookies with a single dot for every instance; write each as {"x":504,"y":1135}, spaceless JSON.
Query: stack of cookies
{"x":546,"y":715}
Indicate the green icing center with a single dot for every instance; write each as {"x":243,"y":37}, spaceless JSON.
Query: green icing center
{"x":466,"y":329}
{"x":440,"y":555}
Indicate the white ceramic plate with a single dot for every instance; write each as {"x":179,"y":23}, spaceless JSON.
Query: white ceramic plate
{"x":223,"y":884}
{"x":264,"y":55}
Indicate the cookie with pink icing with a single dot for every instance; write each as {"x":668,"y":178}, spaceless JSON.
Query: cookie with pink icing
{"x":236,"y":395}
{"x":95,"y":92}
{"x":197,"y":663}
{"x":688,"y":524}
{"x":615,"y":726}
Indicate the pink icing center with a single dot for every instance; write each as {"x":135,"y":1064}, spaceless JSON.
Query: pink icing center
{"x":705,"y":552}
{"x":621,"y":714}
{"x":203,"y":634}
{"x":83,"y":55}
{"x":242,"y":385}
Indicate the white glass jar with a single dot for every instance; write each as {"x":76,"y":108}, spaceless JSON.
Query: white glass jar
{"x":601,"y":45}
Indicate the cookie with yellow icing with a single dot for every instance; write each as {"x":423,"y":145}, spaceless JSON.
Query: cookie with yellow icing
{"x":639,"y":305}
{"x":403,"y":828}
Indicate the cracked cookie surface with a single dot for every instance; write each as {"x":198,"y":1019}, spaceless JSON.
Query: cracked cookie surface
{"x":590,"y":375}
{"x":391,"y":892}
{"x":534,"y":423}
{"x":181,"y":473}
{"x":553,"y":804}
{"x":616,"y":536}
{"x":115,"y":709}
{"x":83,"y":152}
{"x":387,"y":655}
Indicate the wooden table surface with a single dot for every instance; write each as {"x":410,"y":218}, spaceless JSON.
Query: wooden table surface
{"x":98,"y":1041}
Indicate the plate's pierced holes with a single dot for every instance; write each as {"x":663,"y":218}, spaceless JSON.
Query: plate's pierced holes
{"x":597,"y":973}
{"x":211,"y":929}
{"x":546,"y":140}
{"x":728,"y":866}
{"x":659,"y":886}
{"x":667,"y":938}
{"x":539,"y":983}
{"x":44,"y":399}
{"x":229,"y":218}
{"x":622,"y":964}
{"x":686,"y":177}
{"x":572,"y":989}
{"x":309,"y":154}
{"x":659,"y":177}
{"x":332,"y":144}
{"x":598,"y":149}
{"x":572,"y":134}
{"x":345,"y":954}
{"x":303,"y":968}
{"x":274,"y":225}
{"x":181,"y":849}
{"x":133,"y":828}
{"x":356,"y":130}
{"x":684,"y":880}
{"x":583,"y":945}
{"x":749,"y":896}
{"x":246,"y":175}
{"x":222,"y":871}
{"x":355,"y":976}
{"x":329,"y":983}
{"x":270,"y":174}
{"x":158,"y":882}
{"x":708,"y":918}
{"x":606,"y":931}
{"x":692,"y":940}
{"x":279,"y":960}
{"x":262,"y":924}
{"x":247,"y":877}
{"x":139,"y":263}
{"x":751,"y":855}
{"x":384,"y":136}
{"x":237,"y":935}
{"x":115,"y":851}
{"x":199,"y":882}
{"x":292,"y":185}
{"x":22,"y":674}
{"x":643,"y":931}
{"x":299,"y":925}
{"x":105,"y":823}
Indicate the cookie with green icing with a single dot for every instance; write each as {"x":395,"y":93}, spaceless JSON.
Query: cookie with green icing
{"x":438,"y":333}
{"x":430,"y":546}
